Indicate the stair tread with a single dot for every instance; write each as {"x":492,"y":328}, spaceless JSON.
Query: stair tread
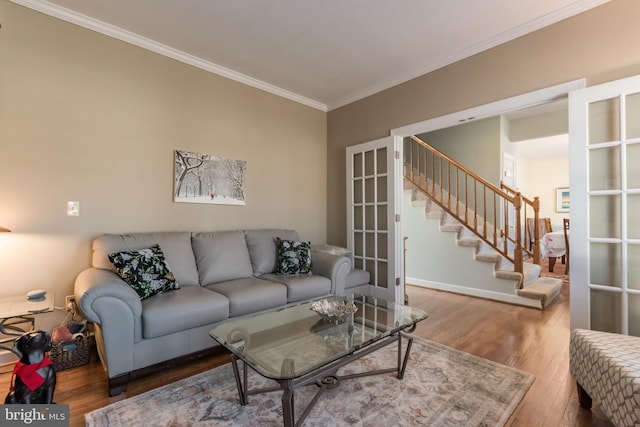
{"x":546,"y":289}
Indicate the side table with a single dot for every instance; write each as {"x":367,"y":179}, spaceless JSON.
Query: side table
{"x":15,"y":311}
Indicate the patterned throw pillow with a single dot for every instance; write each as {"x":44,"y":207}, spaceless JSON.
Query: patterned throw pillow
{"x":145,"y":271}
{"x":293,"y":257}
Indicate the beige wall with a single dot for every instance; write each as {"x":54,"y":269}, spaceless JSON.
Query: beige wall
{"x":475,"y":144}
{"x":89,"y":118}
{"x":599,"y":45}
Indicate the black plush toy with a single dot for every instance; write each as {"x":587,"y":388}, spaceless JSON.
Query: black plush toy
{"x":34,"y":377}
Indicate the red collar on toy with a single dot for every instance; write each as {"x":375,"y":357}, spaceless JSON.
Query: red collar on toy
{"x":28,"y":373}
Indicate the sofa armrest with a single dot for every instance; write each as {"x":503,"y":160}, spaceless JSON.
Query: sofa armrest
{"x":334,"y":267}
{"x":95,"y":283}
{"x":106,"y":300}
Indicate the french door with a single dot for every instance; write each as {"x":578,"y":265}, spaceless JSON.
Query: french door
{"x":373,"y":223}
{"x":604,"y":151}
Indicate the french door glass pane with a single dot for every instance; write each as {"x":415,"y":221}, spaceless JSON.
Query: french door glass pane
{"x":604,"y":121}
{"x":357,"y":165}
{"x":357,"y":218}
{"x":605,"y":216}
{"x":382,"y":274}
{"x":382,"y":217}
{"x":381,"y":157}
{"x":632,"y":114}
{"x":382,"y":189}
{"x":357,"y":191}
{"x":604,"y":168}
{"x":605,"y":311}
{"x":382,"y":246}
{"x":370,"y":218}
{"x":633,"y":165}
{"x":633,"y":266}
{"x":634,"y":315}
{"x":369,"y":163}
{"x":369,"y":190}
{"x":606,"y":264}
{"x":633,"y":224}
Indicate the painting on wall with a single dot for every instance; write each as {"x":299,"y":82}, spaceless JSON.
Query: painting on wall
{"x":562,"y":199}
{"x":201,"y":178}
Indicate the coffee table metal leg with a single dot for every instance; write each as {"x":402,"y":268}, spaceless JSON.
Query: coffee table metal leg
{"x":242,"y":393}
{"x":287,"y":402}
{"x":406,"y":357}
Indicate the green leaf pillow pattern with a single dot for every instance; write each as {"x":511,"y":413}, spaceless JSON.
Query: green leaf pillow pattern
{"x":293,"y":257}
{"x":145,"y":271}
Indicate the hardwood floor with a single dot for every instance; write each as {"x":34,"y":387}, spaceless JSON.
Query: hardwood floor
{"x":525,"y":338}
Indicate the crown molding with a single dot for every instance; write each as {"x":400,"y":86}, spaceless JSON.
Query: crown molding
{"x":529,"y":27}
{"x":162,"y":49}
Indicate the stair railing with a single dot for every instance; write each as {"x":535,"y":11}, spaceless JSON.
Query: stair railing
{"x":492,"y":213}
{"x":530,"y":210}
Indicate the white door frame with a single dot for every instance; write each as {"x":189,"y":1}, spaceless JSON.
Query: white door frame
{"x":530,"y":99}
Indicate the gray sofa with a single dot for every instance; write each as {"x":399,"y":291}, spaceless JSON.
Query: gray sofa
{"x":220,"y":274}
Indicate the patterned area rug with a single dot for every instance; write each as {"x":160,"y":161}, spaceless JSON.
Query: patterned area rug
{"x":441,"y":387}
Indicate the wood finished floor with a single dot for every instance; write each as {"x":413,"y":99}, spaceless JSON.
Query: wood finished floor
{"x":525,"y":338}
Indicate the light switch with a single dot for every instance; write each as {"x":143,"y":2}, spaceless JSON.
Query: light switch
{"x":73,"y":208}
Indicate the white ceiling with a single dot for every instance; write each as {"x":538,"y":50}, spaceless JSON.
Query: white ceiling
{"x":322,"y":53}
{"x":544,"y":148}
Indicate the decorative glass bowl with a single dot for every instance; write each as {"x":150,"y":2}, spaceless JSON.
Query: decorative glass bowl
{"x":334,"y":311}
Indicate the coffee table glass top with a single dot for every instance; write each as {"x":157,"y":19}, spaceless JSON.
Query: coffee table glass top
{"x":295,"y":340}
{"x":16,"y":306}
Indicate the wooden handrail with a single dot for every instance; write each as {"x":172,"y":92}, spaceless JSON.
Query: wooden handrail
{"x":462,"y":193}
{"x":534,"y":206}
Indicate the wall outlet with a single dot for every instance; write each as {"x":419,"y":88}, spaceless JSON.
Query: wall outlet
{"x":73,"y":208}
{"x":69,"y":300}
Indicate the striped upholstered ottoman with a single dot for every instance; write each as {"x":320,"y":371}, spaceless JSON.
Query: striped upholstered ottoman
{"x":606,"y":367}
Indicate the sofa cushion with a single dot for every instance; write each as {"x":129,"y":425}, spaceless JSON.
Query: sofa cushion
{"x":188,"y":308}
{"x":262,"y":248}
{"x":293,"y":257}
{"x":251,"y":295}
{"x":221,"y":256}
{"x":302,"y":287}
{"x":145,"y":271}
{"x":175,"y":245}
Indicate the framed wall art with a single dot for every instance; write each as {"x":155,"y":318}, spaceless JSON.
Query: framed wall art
{"x":562,"y":199}
{"x":202,"y":178}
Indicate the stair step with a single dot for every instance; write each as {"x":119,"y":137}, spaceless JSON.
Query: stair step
{"x":531,"y":272}
{"x":488,"y":256}
{"x":546,"y":289}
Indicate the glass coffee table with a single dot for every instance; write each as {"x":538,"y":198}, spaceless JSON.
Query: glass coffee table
{"x":17,"y":311}
{"x":296,"y":347}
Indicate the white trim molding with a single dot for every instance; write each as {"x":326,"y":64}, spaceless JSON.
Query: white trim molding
{"x":475,"y":292}
{"x":529,"y":27}
{"x":162,"y":49}
{"x":530,"y":99}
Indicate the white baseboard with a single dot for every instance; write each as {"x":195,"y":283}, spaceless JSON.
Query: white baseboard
{"x":481,"y":293}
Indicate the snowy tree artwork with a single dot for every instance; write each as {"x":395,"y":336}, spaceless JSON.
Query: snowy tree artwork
{"x":201,"y":178}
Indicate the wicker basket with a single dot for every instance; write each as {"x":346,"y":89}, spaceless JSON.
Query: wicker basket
{"x":70,"y":354}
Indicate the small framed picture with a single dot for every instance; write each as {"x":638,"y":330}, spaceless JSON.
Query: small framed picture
{"x":562,"y":199}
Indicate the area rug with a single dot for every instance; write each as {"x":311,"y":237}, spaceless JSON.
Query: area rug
{"x":441,"y":387}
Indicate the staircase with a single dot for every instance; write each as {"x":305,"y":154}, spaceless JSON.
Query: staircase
{"x":474,"y":212}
